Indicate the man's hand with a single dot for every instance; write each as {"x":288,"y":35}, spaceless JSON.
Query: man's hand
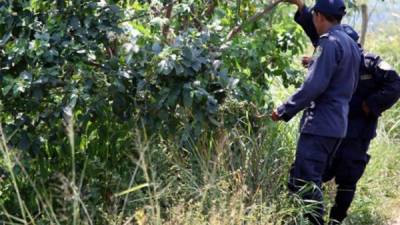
{"x":365,"y":108}
{"x":306,"y":61}
{"x":299,"y":3}
{"x":274,"y":116}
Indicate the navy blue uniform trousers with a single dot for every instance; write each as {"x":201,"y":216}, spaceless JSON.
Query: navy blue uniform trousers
{"x":313,"y":156}
{"x":347,"y":167}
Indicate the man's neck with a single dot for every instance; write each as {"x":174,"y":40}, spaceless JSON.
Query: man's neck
{"x":327,"y":26}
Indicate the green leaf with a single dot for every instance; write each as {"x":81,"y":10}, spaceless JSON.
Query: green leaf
{"x":173,"y":96}
{"x":74,"y":23}
{"x":165,"y":66}
{"x":119,"y":85}
{"x":7,"y":88}
{"x":187,"y":63}
{"x":37,"y":94}
{"x":18,"y":88}
{"x":163,"y":95}
{"x":5,"y":38}
{"x":187,"y":98}
{"x":196,"y":66}
{"x":179,"y":68}
{"x":187,"y":53}
{"x":42,"y":36}
{"x":25,"y":75}
{"x":156,"y":48}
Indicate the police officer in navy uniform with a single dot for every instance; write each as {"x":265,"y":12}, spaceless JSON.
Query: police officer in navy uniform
{"x":378,"y":89}
{"x":324,"y":96}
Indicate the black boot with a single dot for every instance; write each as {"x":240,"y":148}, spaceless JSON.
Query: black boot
{"x":344,"y":197}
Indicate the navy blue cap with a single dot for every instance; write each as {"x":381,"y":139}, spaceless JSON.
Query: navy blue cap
{"x":351,"y":32}
{"x":330,"y":7}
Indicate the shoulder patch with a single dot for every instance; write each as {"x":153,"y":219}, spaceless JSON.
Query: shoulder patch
{"x":348,"y":30}
{"x":385,"y":66}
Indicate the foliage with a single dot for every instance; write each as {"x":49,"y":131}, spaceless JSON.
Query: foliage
{"x":121,"y":112}
{"x":78,"y":78}
{"x":172,"y":72}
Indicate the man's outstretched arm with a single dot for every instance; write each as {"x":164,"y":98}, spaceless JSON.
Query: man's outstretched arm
{"x":303,"y":17}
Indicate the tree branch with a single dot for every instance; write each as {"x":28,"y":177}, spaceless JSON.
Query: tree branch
{"x":168,"y":14}
{"x":364,"y":26}
{"x":253,"y":18}
{"x":211,"y":7}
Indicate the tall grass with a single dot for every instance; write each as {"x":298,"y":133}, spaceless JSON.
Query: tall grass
{"x":229,"y":177}
{"x":235,"y":176}
{"x":9,"y":166}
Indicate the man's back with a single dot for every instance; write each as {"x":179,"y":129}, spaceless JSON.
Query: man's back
{"x":334,"y":101}
{"x":330,"y":83}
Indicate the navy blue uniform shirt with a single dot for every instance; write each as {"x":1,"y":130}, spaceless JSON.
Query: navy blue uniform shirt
{"x":379,"y":86}
{"x":331,"y":81}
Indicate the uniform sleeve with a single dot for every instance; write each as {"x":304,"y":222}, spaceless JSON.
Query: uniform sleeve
{"x":304,"y":19}
{"x":389,"y":91}
{"x":317,"y":80}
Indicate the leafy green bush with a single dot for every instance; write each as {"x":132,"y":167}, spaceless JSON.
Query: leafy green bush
{"x":83,"y":82}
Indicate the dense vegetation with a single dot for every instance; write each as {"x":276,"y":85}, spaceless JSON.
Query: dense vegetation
{"x":147,"y":112}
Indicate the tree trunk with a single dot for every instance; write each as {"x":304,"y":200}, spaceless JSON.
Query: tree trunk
{"x":364,"y":27}
{"x":211,"y":7}
{"x":168,"y":14}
